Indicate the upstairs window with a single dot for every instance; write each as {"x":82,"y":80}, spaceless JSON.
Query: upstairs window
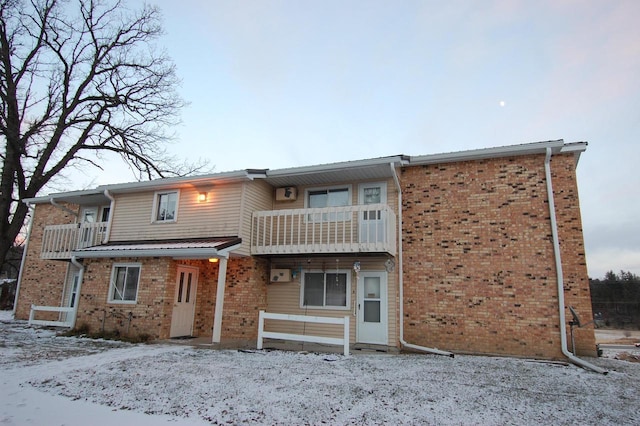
{"x":165,"y":206}
{"x":329,"y":197}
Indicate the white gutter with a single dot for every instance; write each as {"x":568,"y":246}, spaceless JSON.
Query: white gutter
{"x":401,"y":273}
{"x":22,"y":262}
{"x":80,"y":266}
{"x":558,"y":260}
{"x":112,"y":207}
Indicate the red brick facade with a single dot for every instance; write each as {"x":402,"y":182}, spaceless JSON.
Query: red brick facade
{"x":42,"y":282}
{"x":245,"y":295}
{"x":479,"y":269}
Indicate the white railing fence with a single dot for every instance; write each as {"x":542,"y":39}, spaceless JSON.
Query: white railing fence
{"x":65,"y":317}
{"x":344,"y":341}
{"x":361,"y":228}
{"x":58,"y":241}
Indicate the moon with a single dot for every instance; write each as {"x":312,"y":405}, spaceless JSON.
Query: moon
{"x":502,"y":103}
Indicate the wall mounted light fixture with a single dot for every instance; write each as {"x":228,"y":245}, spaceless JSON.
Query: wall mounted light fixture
{"x":202,"y":197}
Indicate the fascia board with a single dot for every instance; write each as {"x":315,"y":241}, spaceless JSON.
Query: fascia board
{"x":189,"y":253}
{"x":47,"y":198}
{"x":486,"y":153}
{"x":235,"y":176}
{"x":297,"y":171}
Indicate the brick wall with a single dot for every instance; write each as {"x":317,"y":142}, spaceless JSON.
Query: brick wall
{"x":43,"y":280}
{"x":245,"y":296}
{"x":150,"y":315}
{"x":479,"y":271}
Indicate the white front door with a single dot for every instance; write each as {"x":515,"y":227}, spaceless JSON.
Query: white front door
{"x":88,"y":216}
{"x":184,"y":306}
{"x":372,"y":222}
{"x":372,"y":308}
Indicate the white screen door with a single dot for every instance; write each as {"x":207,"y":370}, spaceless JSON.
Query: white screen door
{"x":184,"y":306}
{"x":372,"y":222}
{"x":372,"y":308}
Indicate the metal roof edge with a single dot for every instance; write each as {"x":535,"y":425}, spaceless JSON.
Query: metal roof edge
{"x":201,"y":253}
{"x":303,"y":170}
{"x":161,"y":183}
{"x":484,"y":153}
{"x":47,"y":198}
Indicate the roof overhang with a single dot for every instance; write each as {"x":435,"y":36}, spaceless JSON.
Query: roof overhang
{"x":177,"y":249}
{"x":347,"y":171}
{"x":487,"y":153}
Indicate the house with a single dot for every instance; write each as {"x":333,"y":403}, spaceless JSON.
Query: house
{"x":463,"y":252}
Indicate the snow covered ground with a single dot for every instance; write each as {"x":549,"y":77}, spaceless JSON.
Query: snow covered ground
{"x":52,"y":380}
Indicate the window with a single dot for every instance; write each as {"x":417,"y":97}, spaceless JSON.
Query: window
{"x":166,"y":206}
{"x":329,"y":197}
{"x":124,"y":283}
{"x":326,"y":289}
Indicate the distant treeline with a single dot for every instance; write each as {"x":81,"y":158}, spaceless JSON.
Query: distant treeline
{"x":616,"y":300}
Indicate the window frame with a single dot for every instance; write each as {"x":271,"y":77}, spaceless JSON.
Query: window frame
{"x":156,"y":205}
{"x":112,"y":283}
{"x":346,"y":272}
{"x":311,"y":217}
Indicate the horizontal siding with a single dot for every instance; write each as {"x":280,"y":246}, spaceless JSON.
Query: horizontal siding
{"x":392,"y":194}
{"x":257,"y":195}
{"x":216,"y":217}
{"x":284,"y":298}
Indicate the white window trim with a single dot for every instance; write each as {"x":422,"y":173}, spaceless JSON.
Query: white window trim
{"x":383,"y":191}
{"x":347,"y":272}
{"x":112,"y":283}
{"x":154,"y":209}
{"x":309,"y":218}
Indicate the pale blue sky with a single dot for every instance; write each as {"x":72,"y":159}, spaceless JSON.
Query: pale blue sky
{"x":276,"y":84}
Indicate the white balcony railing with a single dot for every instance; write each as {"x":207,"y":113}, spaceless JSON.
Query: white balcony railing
{"x":58,"y":241}
{"x":350,"y":229}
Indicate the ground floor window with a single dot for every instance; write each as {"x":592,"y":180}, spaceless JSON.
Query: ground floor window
{"x":326,"y":289}
{"x":124,"y":283}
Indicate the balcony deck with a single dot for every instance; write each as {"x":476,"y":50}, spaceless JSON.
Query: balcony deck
{"x":58,"y":241}
{"x":350,"y":229}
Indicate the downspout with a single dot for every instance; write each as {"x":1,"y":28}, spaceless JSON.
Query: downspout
{"x":80,"y":266}
{"x":558,"y":260}
{"x":401,"y":273}
{"x":112,"y":206}
{"x":22,"y":262}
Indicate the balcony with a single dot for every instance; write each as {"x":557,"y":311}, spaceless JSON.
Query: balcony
{"x":58,"y":241}
{"x":367,"y":228}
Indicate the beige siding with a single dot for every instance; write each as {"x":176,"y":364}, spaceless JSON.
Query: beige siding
{"x":218,"y":216}
{"x":299,"y":203}
{"x":256,"y":196}
{"x":285,"y":297}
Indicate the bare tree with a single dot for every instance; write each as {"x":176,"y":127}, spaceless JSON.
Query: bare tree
{"x":79,"y":79}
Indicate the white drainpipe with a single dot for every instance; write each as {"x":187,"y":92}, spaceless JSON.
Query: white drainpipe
{"x":401,"y":273}
{"x":80,"y":266}
{"x":558,"y":260}
{"x":112,"y":206}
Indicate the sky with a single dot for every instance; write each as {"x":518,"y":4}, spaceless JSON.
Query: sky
{"x":276,"y":84}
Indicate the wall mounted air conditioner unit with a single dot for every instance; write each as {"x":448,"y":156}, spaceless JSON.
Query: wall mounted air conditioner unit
{"x":286,"y":193}
{"x":280,"y":275}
